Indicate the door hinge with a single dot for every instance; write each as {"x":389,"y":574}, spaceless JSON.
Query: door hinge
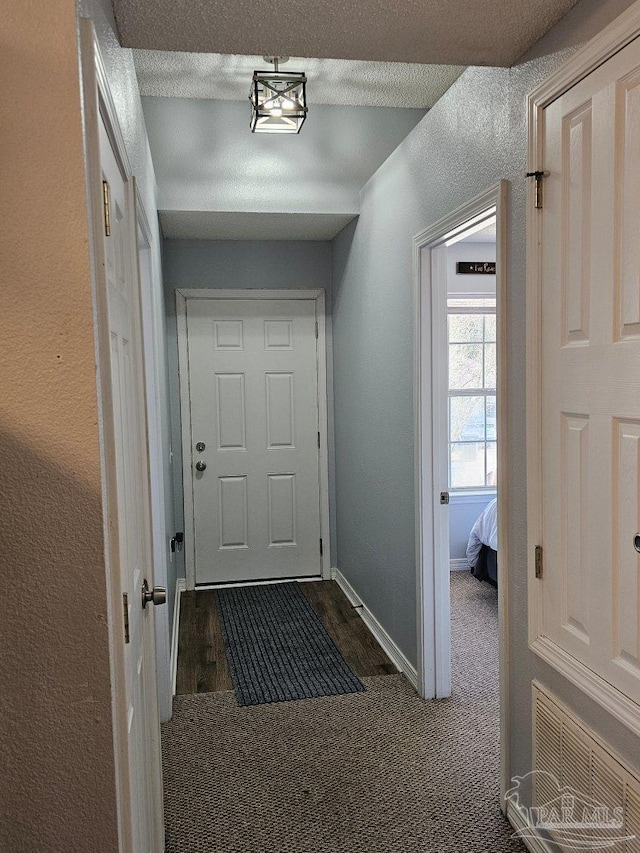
{"x":321,"y":547}
{"x":444,"y":497}
{"x":316,"y":329}
{"x":537,"y":176}
{"x":125,"y":608}
{"x":539,"y":564}
{"x":318,"y":441}
{"x":106,"y":209}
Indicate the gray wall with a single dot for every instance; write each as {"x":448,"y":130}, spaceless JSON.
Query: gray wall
{"x":123,"y":85}
{"x":474,"y":136}
{"x":464,"y":511}
{"x":243,"y":265}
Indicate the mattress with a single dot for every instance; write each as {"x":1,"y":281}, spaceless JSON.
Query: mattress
{"x":483,"y":532}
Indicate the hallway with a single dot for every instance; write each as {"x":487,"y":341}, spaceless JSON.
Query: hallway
{"x":202,"y":663}
{"x":379,"y":770}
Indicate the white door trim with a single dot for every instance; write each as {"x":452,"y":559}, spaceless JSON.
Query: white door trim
{"x":432,"y":597}
{"x":98,"y":106}
{"x":317,"y":295}
{"x":436,"y":310}
{"x":623,"y":30}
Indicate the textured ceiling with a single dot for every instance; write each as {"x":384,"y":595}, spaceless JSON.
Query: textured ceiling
{"x":331,"y":81}
{"x":212,"y":225}
{"x":206,"y":158}
{"x":449,"y":32}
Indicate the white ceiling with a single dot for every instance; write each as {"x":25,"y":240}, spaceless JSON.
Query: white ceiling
{"x":214,"y":225}
{"x":330,"y":81}
{"x":487,"y":235}
{"x":443,"y":32}
{"x":213,"y":173}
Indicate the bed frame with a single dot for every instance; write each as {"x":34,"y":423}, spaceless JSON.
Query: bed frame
{"x":486,"y":569}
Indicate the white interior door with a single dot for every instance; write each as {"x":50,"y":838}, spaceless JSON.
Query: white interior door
{"x":253,"y":386}
{"x":143,"y":826}
{"x":590,"y":380}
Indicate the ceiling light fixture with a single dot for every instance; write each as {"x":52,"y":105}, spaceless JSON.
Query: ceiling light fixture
{"x":278,"y":101}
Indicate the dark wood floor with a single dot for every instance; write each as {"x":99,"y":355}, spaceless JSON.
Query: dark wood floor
{"x":202,"y":664}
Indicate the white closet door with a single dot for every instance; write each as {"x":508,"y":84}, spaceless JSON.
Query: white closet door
{"x":144,"y":823}
{"x":590,"y":405}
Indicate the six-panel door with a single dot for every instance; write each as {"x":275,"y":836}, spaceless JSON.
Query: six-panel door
{"x":591,"y":371}
{"x":253,"y":388}
{"x":142,"y":792}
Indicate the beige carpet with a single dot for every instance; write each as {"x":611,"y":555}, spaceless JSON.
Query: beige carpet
{"x":375,"y":771}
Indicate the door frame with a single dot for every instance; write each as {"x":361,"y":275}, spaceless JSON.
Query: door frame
{"x":98,"y":106}
{"x":318,"y":296}
{"x":613,"y":38}
{"x":433,"y":614}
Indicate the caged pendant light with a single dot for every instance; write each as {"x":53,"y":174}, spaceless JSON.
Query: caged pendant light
{"x":278,"y":100}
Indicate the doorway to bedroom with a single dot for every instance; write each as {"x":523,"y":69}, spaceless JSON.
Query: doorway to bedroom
{"x":460,"y":442}
{"x":470,"y":265}
{"x":470,"y":399}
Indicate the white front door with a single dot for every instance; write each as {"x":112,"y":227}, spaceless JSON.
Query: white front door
{"x":142,"y":826}
{"x":590,"y":400}
{"x":253,"y":388}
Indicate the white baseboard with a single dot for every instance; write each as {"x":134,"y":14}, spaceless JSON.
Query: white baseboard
{"x":519,"y":820}
{"x":397,"y":657}
{"x":459,"y":565}
{"x":181,"y":586}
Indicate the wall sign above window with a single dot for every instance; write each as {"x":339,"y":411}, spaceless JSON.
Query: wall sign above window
{"x":476,"y":267}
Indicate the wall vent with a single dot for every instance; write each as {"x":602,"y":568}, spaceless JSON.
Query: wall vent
{"x":586,"y":769}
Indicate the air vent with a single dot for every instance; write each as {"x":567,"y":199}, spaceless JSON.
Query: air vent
{"x":574,"y":767}
{"x":632,"y":811}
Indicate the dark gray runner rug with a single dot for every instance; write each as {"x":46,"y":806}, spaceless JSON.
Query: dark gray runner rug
{"x":277,"y":647}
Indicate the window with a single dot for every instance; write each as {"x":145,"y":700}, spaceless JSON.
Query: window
{"x":472,"y":392}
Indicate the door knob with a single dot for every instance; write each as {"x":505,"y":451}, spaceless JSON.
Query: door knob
{"x":636,"y":542}
{"x":201,"y":466}
{"x":157,"y":595}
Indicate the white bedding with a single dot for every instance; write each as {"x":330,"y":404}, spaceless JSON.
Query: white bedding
{"x":483,"y":532}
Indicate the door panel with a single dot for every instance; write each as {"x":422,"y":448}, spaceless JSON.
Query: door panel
{"x":234,"y":528}
{"x":627,"y":278}
{"x":280,"y":410}
{"x":282,"y":509}
{"x":576,"y":216}
{"x":230,"y":405}
{"x":590,"y":402}
{"x":626,"y":623}
{"x":253,"y":389}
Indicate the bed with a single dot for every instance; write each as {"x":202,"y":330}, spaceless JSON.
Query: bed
{"x":482,"y":550}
